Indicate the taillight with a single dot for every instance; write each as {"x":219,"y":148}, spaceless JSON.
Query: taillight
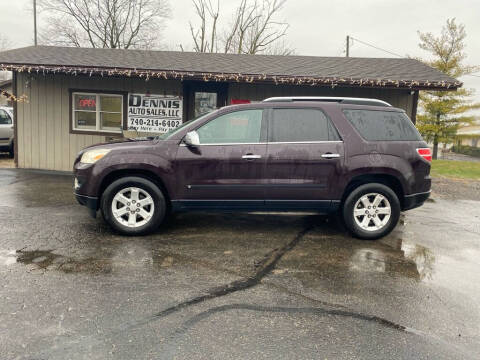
{"x":425,"y":153}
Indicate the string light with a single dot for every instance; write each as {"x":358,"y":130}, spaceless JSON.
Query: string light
{"x":218,"y":77}
{"x":11,"y":97}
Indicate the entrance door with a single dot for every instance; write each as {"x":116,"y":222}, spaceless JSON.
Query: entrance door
{"x":227,"y":169}
{"x":304,"y":159}
{"x":203,"y":97}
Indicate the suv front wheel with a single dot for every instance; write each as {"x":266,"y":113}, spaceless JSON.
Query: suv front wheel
{"x":371,"y":211}
{"x":133,"y":205}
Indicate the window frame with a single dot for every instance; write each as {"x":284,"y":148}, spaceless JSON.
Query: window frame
{"x":263,"y":128}
{"x":98,"y":130}
{"x":329,"y":122}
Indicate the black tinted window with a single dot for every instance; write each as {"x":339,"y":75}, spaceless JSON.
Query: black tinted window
{"x":4,"y":118}
{"x":382,"y":125}
{"x":291,"y":125}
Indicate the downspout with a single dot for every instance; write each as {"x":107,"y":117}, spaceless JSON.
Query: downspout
{"x":414,"y":107}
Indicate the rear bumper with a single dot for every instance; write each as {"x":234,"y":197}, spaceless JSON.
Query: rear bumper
{"x":90,"y":202}
{"x":415,"y":200}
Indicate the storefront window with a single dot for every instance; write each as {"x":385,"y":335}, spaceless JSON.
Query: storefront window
{"x":205,"y":102}
{"x":97,"y":112}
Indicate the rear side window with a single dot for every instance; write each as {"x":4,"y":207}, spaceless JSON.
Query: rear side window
{"x":376,"y":125}
{"x":301,"y":125}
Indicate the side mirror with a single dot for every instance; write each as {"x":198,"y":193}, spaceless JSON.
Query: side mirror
{"x":191,"y":139}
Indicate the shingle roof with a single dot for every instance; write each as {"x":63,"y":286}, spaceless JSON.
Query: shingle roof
{"x":327,"y":70}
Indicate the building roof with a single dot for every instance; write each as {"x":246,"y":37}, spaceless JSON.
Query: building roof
{"x":313,"y":70}
{"x":469,"y":130}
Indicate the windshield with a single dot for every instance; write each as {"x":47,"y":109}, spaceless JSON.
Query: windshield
{"x":170,"y":133}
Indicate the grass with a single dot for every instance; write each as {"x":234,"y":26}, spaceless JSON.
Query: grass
{"x":456,"y":169}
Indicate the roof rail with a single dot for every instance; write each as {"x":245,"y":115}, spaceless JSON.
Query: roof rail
{"x":341,"y":100}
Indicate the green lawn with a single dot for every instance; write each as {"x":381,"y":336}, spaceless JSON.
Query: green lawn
{"x":456,"y":169}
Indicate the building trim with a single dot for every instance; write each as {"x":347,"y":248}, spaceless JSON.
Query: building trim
{"x":71,"y":91}
{"x":150,"y":74}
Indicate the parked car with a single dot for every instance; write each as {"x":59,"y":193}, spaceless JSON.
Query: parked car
{"x":361,"y":158}
{"x":6,"y":130}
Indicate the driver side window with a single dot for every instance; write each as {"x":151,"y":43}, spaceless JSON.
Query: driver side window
{"x":239,"y":127}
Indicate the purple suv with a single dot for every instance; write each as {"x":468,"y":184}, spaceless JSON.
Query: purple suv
{"x":361,"y":158}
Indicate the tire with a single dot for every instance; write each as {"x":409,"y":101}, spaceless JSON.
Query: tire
{"x":129,"y":193}
{"x":11,"y":151}
{"x":380,"y":221}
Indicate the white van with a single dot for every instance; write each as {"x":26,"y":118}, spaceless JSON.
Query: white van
{"x":6,"y":130}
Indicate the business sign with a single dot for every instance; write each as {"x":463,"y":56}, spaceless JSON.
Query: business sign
{"x":154,"y":113}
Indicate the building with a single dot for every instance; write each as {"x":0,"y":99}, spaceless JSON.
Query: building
{"x":69,"y":98}
{"x":6,"y":87}
{"x":469,"y":135}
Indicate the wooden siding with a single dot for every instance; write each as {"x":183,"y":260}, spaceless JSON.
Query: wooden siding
{"x":44,"y":139}
{"x":397,"y":97}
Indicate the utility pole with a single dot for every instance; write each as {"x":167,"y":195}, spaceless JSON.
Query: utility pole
{"x":348,"y":46}
{"x":35,"y":22}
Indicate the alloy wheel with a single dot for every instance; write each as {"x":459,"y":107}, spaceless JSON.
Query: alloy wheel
{"x":133,"y":207}
{"x":372,"y":212}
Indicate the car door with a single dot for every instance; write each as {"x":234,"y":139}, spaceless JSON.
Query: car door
{"x":304,"y":159}
{"x":6,"y":128}
{"x":227,"y":169}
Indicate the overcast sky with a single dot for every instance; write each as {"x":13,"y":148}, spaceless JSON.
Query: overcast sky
{"x":317,"y":27}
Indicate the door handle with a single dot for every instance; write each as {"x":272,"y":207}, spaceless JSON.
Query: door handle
{"x":330,"y":156}
{"x":251,"y":157}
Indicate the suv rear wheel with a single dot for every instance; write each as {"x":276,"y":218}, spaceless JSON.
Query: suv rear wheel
{"x":133,"y":205}
{"x":371,"y":211}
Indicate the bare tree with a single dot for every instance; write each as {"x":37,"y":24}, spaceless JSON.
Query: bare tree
{"x":204,"y":42}
{"x":280,"y":48}
{"x":104,"y":23}
{"x":5,"y":44}
{"x":253,"y":28}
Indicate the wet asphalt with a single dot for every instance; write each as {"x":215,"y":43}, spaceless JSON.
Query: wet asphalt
{"x":230,"y":286}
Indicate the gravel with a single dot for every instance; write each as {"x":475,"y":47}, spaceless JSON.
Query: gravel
{"x":455,"y":189}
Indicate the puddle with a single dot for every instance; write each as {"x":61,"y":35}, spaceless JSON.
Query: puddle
{"x":48,"y":260}
{"x":41,"y":258}
{"x":404,"y":258}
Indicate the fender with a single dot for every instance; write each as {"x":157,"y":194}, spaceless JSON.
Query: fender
{"x":381,"y":164}
{"x":155,"y":164}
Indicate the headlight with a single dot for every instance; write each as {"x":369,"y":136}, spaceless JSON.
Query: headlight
{"x":92,"y":156}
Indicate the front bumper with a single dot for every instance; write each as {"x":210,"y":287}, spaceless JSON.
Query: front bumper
{"x":84,"y":191}
{"x":415,"y":200}
{"x":90,"y":202}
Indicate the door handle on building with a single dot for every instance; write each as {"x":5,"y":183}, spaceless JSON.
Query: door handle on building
{"x":330,"y":156}
{"x":251,"y":157}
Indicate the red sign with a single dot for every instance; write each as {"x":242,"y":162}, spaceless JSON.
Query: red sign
{"x":239,"y":101}
{"x":87,"y":103}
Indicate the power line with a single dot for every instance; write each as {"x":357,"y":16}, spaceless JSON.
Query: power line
{"x":376,"y":47}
